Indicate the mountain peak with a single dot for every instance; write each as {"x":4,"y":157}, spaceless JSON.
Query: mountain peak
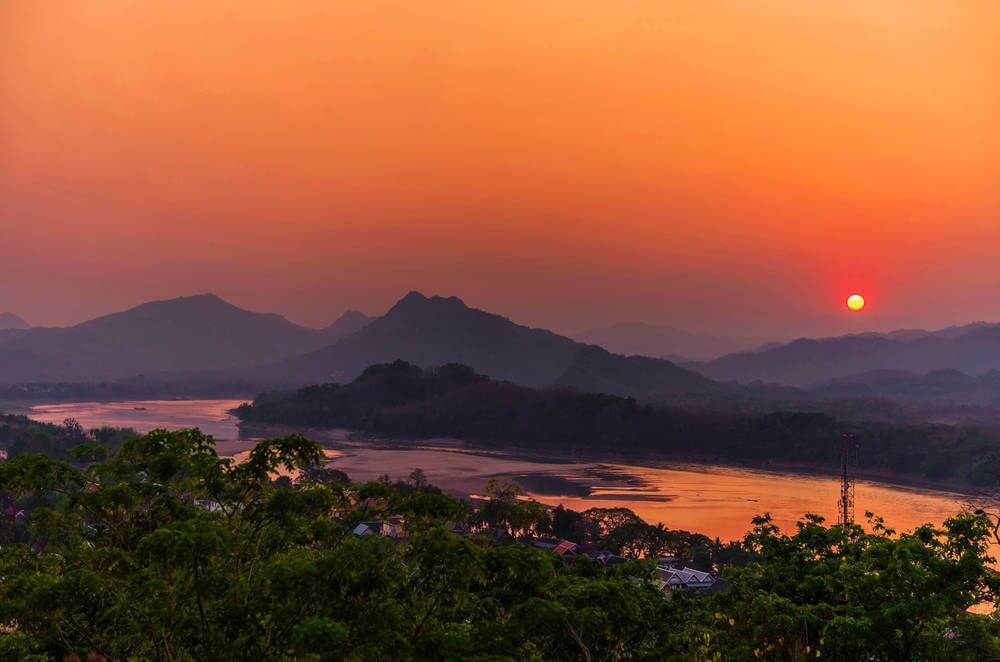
{"x":415,"y":301}
{"x":207,"y":298}
{"x":201,"y":333}
{"x":351,"y":321}
{"x":195,"y":306}
{"x":12,"y":321}
{"x":433,"y":331}
{"x":411,"y":297}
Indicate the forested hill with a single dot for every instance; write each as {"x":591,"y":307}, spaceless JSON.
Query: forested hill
{"x":400,"y":399}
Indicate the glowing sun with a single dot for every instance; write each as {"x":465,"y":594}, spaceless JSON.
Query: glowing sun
{"x":855,"y":302}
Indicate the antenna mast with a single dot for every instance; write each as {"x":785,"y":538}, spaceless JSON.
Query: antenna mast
{"x":845,"y":506}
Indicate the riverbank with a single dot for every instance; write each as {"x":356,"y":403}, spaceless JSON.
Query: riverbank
{"x":213,"y":416}
{"x":690,"y":493}
{"x":719,"y":500}
{"x":347,"y":438}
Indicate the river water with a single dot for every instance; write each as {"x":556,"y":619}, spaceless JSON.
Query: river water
{"x":718,"y":501}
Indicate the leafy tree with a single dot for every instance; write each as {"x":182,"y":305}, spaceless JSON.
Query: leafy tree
{"x":844,"y":594}
{"x":164,"y":550}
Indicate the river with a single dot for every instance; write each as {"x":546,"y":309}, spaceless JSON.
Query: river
{"x":718,"y":501}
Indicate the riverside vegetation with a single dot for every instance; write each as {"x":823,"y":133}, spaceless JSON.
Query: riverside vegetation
{"x":162,"y":549}
{"x":403,"y":400}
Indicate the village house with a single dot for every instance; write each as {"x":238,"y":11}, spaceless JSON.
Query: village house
{"x":391,"y":527}
{"x":556,"y":546}
{"x":605,"y":557}
{"x":671,"y":574}
{"x":672,"y":578}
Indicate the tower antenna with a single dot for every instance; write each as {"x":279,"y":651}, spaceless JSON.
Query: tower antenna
{"x":845,"y":506}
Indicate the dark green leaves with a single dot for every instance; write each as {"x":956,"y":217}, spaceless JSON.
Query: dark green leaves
{"x":167,"y":551}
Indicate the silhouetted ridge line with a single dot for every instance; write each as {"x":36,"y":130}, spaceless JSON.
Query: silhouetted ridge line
{"x":431,"y":331}
{"x":972,"y":349}
{"x":201,"y":333}
{"x":10,"y":321}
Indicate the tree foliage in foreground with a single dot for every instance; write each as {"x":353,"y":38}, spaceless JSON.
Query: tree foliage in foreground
{"x":167,"y":551}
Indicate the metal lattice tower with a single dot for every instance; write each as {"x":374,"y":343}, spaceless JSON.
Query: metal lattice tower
{"x":845,"y":505}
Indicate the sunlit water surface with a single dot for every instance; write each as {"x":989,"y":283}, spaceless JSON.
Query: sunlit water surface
{"x":718,"y":501}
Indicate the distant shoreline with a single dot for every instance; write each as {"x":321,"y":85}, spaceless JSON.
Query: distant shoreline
{"x":567,"y":455}
{"x":26,"y":405}
{"x":648,"y":460}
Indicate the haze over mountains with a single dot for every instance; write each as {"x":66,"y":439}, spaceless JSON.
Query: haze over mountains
{"x":350,"y":322}
{"x":206,"y":336}
{"x":11,"y":321}
{"x":197,"y":334}
{"x":981,"y":389}
{"x":432,"y":331}
{"x":203,"y":336}
{"x":667,"y":342}
{"x":11,"y":326}
{"x":973,"y":349}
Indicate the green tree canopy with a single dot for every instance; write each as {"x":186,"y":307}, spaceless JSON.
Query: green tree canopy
{"x":164,"y":550}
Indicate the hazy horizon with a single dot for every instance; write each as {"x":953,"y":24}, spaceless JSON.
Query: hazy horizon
{"x":569,"y":332}
{"x":722,"y":167}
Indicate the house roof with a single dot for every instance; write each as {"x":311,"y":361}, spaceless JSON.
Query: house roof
{"x":391,"y":528}
{"x":686,"y":578}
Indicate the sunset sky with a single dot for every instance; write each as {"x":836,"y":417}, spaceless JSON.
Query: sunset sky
{"x":734,"y":167}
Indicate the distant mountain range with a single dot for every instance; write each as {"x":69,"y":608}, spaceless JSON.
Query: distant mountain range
{"x":667,"y":342}
{"x":203,"y":340}
{"x":203,"y":336}
{"x":951,"y":384}
{"x":11,"y":321}
{"x":197,"y":334}
{"x":350,"y":322}
{"x":973,"y":349}
{"x":433,"y":331}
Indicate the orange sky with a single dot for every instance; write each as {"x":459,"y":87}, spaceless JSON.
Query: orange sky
{"x":728,"y":166}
